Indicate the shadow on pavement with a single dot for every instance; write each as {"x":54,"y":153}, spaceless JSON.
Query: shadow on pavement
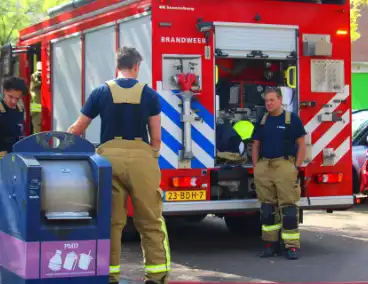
{"x":207,"y":252}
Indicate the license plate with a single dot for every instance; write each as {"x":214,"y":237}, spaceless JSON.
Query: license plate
{"x":190,"y":195}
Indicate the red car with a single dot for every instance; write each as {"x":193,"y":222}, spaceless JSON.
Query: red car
{"x":364,"y":177}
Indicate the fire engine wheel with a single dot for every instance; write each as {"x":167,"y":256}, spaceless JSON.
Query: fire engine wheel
{"x":244,"y":225}
{"x":195,"y":218}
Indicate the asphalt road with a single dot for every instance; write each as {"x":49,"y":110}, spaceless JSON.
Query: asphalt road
{"x":334,"y":248}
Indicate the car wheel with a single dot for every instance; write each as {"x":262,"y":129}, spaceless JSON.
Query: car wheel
{"x":356,"y":184}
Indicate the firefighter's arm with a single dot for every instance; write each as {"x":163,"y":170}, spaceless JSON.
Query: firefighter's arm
{"x":154,"y":120}
{"x":80,"y":125}
{"x":255,"y":152}
{"x":154,"y":128}
{"x":88,"y":112}
{"x":299,"y":132}
{"x":302,"y":149}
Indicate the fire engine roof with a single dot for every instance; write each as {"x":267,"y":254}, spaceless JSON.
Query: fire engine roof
{"x":76,"y":15}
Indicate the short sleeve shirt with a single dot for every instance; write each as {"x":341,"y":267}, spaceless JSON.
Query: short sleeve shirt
{"x":11,"y":125}
{"x":100,"y":102}
{"x":272,"y":135}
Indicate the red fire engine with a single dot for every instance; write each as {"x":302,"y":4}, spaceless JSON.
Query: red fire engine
{"x":210,"y":62}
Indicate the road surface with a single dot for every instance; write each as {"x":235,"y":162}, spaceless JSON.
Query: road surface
{"x":334,"y":248}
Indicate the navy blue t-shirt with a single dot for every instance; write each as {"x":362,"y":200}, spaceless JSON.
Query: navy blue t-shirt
{"x":11,"y":125}
{"x":100,"y":102}
{"x":272,"y":135}
{"x":227,"y":140}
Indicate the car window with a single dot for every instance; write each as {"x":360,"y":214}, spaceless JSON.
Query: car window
{"x":359,"y":122}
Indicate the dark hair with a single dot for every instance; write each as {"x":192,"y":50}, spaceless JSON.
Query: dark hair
{"x":127,"y":57}
{"x":16,"y":84}
{"x":270,"y":90}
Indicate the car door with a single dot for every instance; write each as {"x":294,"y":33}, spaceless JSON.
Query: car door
{"x":360,"y":146}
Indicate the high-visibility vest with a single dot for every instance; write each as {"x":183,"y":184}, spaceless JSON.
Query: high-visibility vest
{"x":244,"y":128}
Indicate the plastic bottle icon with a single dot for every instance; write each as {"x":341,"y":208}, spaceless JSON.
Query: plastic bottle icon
{"x":56,"y":261}
{"x":70,"y":261}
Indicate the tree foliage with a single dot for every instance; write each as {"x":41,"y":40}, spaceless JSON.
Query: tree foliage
{"x":355,"y":10}
{"x":17,"y":14}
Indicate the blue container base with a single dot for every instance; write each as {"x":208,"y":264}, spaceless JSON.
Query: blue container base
{"x":8,"y":277}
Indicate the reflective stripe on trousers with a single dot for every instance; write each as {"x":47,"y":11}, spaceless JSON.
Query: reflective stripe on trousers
{"x":115,"y":269}
{"x":270,"y":228}
{"x":36,"y":107}
{"x":166,"y":267}
{"x":290,"y":236}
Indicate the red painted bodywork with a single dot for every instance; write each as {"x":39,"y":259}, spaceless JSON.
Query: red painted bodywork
{"x":311,"y":18}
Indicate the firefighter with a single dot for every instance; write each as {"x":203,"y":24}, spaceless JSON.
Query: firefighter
{"x":277,"y":154}
{"x":11,"y":113}
{"x":35,"y":90}
{"x":127,"y":109}
{"x":230,"y":140}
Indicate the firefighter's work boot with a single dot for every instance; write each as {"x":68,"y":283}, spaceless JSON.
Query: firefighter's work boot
{"x":271,"y":249}
{"x":292,"y":253}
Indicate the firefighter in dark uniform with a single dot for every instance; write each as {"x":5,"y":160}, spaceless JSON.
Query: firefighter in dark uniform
{"x":11,"y":113}
{"x":231,"y":140}
{"x":277,"y":154}
{"x":128,"y":109}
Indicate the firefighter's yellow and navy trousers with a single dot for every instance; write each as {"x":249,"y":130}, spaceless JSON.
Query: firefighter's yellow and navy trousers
{"x":36,"y":107}
{"x":278,"y":191}
{"x":136,"y":173}
{"x":36,"y":110}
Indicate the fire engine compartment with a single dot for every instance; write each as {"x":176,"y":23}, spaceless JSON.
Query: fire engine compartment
{"x":240,"y":87}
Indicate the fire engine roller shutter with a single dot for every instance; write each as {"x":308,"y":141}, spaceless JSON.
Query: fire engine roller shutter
{"x":100,"y":52}
{"x":66,"y":81}
{"x":240,"y":39}
{"x":137,"y":32}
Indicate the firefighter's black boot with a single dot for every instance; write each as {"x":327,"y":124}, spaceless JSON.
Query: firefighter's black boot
{"x":292,"y":253}
{"x":271,"y":249}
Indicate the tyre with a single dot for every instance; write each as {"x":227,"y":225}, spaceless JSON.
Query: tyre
{"x":195,"y":218}
{"x":244,"y":225}
{"x":356,"y":184}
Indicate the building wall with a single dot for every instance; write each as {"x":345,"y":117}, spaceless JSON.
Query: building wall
{"x":360,"y":85}
{"x":360,"y":64}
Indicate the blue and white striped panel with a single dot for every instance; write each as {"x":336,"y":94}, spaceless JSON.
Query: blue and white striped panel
{"x":203,"y":133}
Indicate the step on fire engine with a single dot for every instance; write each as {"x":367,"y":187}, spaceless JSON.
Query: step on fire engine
{"x":209,"y":68}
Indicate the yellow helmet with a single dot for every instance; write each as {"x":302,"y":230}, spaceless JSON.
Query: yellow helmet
{"x":244,"y":128}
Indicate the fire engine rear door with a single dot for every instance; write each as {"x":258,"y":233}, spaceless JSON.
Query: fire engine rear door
{"x":242,"y":40}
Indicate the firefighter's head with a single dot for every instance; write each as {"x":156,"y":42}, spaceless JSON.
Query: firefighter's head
{"x":273,"y":99}
{"x":128,"y":62}
{"x":39,"y":66}
{"x":14,"y":89}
